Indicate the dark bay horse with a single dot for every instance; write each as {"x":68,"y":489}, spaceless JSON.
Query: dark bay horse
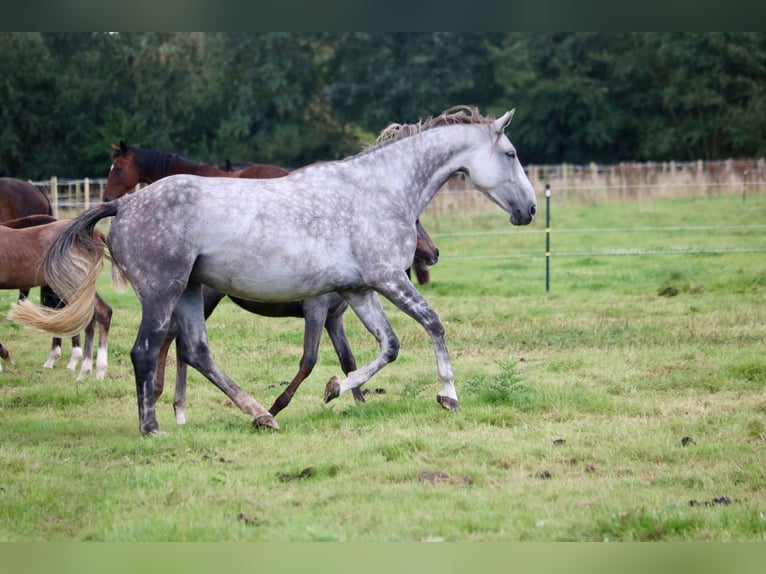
{"x":346,"y":226}
{"x":25,"y":241}
{"x":134,"y":165}
{"x":322,"y":311}
{"x":19,"y":199}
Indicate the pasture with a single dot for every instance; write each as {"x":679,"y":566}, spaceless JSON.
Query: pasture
{"x":626,"y":404}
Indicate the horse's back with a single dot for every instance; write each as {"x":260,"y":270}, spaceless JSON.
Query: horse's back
{"x":19,"y":198}
{"x":24,"y":249}
{"x":248,"y":238}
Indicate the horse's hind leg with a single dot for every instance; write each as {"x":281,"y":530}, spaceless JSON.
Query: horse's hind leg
{"x":194,"y":349}
{"x":368,"y":308}
{"x":102,"y":314}
{"x":55,"y":353}
{"x":87,"y":362}
{"x":77,"y":352}
{"x":152,"y":333}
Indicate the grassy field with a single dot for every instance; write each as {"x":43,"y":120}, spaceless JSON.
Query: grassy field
{"x":625,"y":404}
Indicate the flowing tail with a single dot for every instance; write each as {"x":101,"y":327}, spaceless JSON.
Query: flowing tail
{"x":71,"y":268}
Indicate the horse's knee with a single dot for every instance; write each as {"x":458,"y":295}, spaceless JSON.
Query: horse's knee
{"x":391,"y":351}
{"x":141,"y":357}
{"x":197,"y":354}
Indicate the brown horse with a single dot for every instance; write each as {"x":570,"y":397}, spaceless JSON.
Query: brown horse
{"x":19,"y":199}
{"x":25,"y":242}
{"x":134,"y":165}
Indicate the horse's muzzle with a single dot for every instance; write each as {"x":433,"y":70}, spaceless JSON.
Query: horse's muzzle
{"x":521,"y":217}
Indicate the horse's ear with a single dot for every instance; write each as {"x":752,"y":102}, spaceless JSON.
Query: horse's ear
{"x":114,"y":147}
{"x":123,"y":146}
{"x":503,"y":121}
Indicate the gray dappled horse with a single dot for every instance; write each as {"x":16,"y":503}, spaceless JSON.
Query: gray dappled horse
{"x":346,"y":226}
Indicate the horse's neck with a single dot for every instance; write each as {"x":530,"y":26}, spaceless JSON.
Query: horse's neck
{"x":419,"y":165}
{"x":156,"y":165}
{"x":177,"y":165}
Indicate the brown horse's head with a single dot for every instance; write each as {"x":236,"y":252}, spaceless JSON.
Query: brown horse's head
{"x":426,"y":249}
{"x":426,"y":254}
{"x":124,"y":174}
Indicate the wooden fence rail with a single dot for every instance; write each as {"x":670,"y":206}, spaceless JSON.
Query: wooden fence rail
{"x":591,"y":183}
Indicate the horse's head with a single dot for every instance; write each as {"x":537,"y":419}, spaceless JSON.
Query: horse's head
{"x":425,"y":250}
{"x":123,"y":175}
{"x":496,"y":171}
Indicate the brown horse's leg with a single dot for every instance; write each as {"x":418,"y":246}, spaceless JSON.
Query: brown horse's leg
{"x":4,"y":355}
{"x":162,"y":359}
{"x":54,"y":354}
{"x":87,"y":351}
{"x":103,"y":316}
{"x":77,"y":353}
{"x":314,"y":318}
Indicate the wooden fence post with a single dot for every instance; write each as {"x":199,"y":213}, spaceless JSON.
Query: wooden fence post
{"x":55,"y":196}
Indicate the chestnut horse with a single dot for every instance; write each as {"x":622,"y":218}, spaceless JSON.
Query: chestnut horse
{"x":25,"y":242}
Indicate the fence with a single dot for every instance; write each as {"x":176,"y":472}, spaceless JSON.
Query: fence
{"x":69,"y":197}
{"x":591,"y":183}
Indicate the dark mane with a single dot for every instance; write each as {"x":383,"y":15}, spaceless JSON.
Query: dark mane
{"x":153,"y":163}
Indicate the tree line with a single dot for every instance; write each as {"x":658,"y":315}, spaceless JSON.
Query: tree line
{"x":294,"y":98}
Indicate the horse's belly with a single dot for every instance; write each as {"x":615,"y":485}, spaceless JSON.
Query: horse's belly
{"x":271,"y":279}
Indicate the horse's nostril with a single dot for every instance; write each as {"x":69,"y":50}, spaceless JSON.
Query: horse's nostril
{"x":532,"y":210}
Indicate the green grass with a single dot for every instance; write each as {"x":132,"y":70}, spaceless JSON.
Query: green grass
{"x":574,"y":404}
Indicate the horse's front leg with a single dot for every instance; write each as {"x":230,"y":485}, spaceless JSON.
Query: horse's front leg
{"x":402,"y":293}
{"x":368,"y":308}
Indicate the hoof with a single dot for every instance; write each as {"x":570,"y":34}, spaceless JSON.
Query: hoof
{"x":153,"y":432}
{"x":447,"y":402}
{"x":265,"y":421}
{"x":332,"y":390}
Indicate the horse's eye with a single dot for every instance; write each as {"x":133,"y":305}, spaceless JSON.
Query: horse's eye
{"x":511,"y":154}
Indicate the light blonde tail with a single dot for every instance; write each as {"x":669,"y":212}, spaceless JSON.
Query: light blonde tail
{"x":66,"y":321}
{"x":72,"y":266}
